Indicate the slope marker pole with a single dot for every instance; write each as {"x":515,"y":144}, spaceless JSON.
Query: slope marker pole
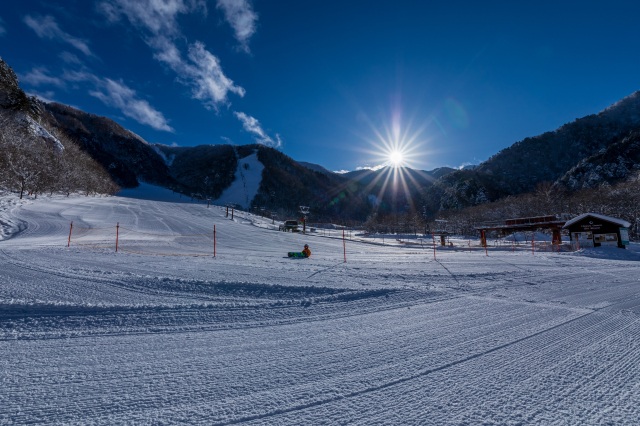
{"x":70,"y":229}
{"x":433,"y":240}
{"x":533,"y":243}
{"x":117,"y":234}
{"x":344,"y":246}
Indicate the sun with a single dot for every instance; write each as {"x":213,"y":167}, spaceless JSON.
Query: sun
{"x":396,"y":158}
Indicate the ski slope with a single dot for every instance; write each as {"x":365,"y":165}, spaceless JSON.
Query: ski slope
{"x":161,"y":332}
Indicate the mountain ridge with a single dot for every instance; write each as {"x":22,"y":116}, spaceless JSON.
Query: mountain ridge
{"x":522,"y":166}
{"x":596,"y":149}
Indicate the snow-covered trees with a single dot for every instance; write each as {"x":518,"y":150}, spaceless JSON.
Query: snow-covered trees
{"x":28,"y":164}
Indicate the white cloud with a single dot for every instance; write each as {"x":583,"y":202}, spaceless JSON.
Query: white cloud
{"x":39,"y":76}
{"x":210,"y":83}
{"x":372,"y":168}
{"x":70,"y":58}
{"x":156,"y":16}
{"x":201,"y":70}
{"x":47,"y":27}
{"x":118,"y":95}
{"x":77,"y":76}
{"x":252,"y":125}
{"x":240,"y":15}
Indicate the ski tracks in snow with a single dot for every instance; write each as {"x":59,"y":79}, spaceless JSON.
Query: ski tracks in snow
{"x":391,"y":337}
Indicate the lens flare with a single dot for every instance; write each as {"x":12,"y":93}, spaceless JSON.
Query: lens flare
{"x":391,"y":176}
{"x":396,"y":158}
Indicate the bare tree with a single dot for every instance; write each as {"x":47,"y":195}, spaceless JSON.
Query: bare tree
{"x":31,"y":164}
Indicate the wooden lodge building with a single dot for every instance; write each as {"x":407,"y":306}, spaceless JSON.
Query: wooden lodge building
{"x":585,"y":230}
{"x":595,"y":230}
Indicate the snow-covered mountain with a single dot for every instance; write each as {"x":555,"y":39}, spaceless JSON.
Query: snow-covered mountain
{"x":127,"y":157}
{"x":587,"y":151}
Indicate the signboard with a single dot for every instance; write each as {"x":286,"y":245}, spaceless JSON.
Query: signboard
{"x":590,"y":226}
{"x":624,"y":236}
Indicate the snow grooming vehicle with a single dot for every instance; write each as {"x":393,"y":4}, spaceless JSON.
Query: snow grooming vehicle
{"x":289,"y":226}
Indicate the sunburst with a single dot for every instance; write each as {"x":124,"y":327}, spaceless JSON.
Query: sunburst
{"x":396,"y":158}
{"x":394,"y":151}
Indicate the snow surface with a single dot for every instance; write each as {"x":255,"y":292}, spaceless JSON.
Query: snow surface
{"x":146,"y":191}
{"x":161,"y":332}
{"x":246,"y":182}
{"x":39,"y":131}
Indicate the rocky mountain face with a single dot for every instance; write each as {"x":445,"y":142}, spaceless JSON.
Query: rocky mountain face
{"x":546,"y":159}
{"x":11,"y":96}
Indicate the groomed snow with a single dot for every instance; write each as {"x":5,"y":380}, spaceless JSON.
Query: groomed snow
{"x":149,"y":335}
{"x":246,"y":182}
{"x":146,"y":191}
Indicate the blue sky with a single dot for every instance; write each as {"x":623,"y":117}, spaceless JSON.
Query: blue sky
{"x":337,"y":83}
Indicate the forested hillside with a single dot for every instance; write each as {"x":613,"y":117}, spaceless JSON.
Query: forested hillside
{"x":546,"y":158}
{"x":36,"y":159}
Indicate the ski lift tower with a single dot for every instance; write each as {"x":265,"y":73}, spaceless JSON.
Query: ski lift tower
{"x":304,"y":210}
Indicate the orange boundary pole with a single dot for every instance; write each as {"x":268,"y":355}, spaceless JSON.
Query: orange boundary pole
{"x":117,"y":234}
{"x":433,"y":239}
{"x":214,"y":241}
{"x":533,"y":243}
{"x":70,"y":229}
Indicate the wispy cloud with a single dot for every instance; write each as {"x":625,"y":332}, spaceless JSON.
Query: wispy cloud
{"x":39,"y":76}
{"x":240,"y":15}
{"x":201,"y":71}
{"x":253,"y":126}
{"x":118,"y":95}
{"x":3,"y":30}
{"x":156,"y":16}
{"x":158,"y":20}
{"x":70,"y":58}
{"x":47,"y":27}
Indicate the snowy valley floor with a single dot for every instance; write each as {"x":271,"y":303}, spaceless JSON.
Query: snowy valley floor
{"x":149,"y":336}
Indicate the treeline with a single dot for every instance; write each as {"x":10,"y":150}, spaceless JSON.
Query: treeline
{"x":32,"y":163}
{"x":621,"y":201}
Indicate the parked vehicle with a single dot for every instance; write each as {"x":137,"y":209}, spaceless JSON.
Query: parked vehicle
{"x":290,"y":226}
